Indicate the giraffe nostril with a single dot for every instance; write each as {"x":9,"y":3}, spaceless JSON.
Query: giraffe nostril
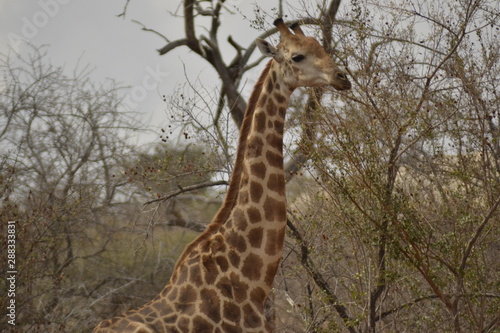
{"x":342,"y":76}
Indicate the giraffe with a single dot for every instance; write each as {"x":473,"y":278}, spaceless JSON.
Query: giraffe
{"x":222,"y":279}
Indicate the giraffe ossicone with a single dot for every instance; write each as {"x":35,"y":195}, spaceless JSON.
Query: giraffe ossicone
{"x":222,"y":279}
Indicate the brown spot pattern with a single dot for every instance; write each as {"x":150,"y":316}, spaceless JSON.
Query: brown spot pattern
{"x":256,"y":191}
{"x":243,"y":197}
{"x":222,"y":262}
{"x":252,"y":267}
{"x":255,"y":144}
{"x":269,"y":86}
{"x":271,"y":108}
{"x":258,"y":296}
{"x":274,"y":159}
{"x":258,"y":170}
{"x":200,"y":324}
{"x":274,"y":210}
{"x":262,"y":100}
{"x":244,"y":176}
{"x":234,"y":258}
{"x":275,"y":141}
{"x":205,"y":246}
{"x":231,"y":312}
{"x":252,"y":318}
{"x":239,"y":288}
{"x":282,"y":111}
{"x":273,"y":242}
{"x":183,"y":275}
{"x":260,"y":122}
{"x":183,"y":324}
{"x":224,"y":286}
{"x":279,"y":98}
{"x":255,"y":237}
{"x":210,"y":273}
{"x":217,"y":244}
{"x":270,"y":273}
{"x":240,"y":220}
{"x":278,"y":125}
{"x":236,"y":241}
{"x":254,"y":215}
{"x":210,"y":304}
{"x":195,"y":275}
{"x":185,"y":302}
{"x":276,"y":183}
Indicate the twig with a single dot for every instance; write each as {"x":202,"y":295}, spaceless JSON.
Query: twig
{"x":319,"y":279}
{"x":192,"y":225}
{"x":478,"y":232}
{"x":428,"y":297}
{"x":152,"y":30}
{"x":122,"y":14}
{"x":187,"y":189}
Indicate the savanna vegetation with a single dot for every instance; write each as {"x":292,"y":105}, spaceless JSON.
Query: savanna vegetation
{"x":393,"y":187}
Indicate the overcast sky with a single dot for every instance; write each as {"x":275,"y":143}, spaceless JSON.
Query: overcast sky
{"x":116,"y":47}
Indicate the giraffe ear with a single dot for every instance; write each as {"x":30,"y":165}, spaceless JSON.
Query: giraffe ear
{"x":267,"y":49}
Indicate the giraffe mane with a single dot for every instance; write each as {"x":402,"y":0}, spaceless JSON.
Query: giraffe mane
{"x":234,"y":183}
{"x":232,"y":192}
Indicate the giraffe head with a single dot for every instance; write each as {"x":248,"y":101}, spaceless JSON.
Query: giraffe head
{"x":302,"y":60}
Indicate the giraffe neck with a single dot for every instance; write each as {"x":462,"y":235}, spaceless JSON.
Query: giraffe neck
{"x":234,"y":184}
{"x":229,"y":269}
{"x":224,"y":212}
{"x":256,"y":226}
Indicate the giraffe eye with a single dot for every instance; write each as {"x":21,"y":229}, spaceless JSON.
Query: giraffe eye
{"x":298,"y":58}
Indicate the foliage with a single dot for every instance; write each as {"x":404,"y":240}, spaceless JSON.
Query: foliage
{"x":407,"y":195}
{"x":74,"y":186}
{"x":63,"y":143}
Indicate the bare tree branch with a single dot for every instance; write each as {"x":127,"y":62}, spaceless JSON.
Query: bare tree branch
{"x":187,"y":189}
{"x":192,"y":225}
{"x":318,"y":277}
{"x":478,"y":233}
